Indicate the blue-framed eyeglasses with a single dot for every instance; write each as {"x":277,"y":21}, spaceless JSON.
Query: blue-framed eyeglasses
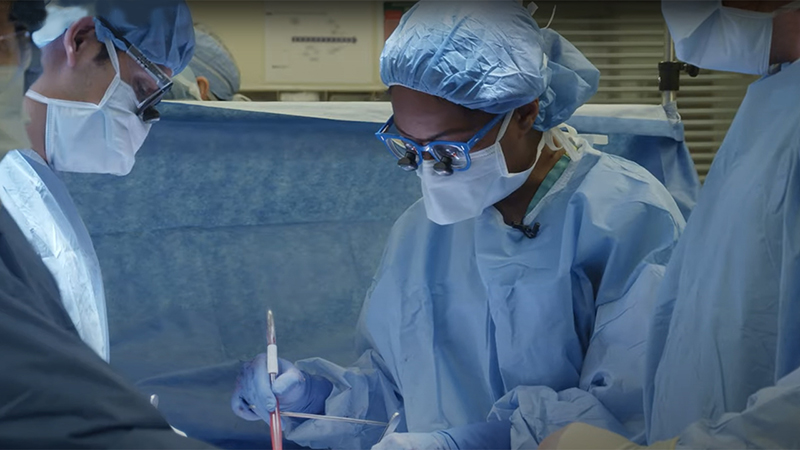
{"x":449,"y":155}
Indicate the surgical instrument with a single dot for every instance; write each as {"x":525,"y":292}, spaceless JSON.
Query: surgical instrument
{"x":297,"y":415}
{"x":394,"y":421}
{"x":272,"y":369}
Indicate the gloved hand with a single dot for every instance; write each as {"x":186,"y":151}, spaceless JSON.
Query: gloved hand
{"x":437,"y":440}
{"x":581,"y":436}
{"x":296,"y":390}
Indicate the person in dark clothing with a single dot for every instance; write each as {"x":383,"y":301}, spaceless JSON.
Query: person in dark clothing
{"x":55,"y":391}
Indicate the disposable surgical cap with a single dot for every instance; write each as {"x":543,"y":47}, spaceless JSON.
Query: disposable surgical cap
{"x":213,"y":61}
{"x":489,"y":56}
{"x":161,"y":29}
{"x":184,"y":86}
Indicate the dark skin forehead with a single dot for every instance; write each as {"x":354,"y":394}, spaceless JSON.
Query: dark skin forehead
{"x":423,"y":118}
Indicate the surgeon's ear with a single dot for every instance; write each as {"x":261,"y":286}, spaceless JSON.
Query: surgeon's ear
{"x":525,"y":116}
{"x":76,"y":39}
{"x":205,"y":88}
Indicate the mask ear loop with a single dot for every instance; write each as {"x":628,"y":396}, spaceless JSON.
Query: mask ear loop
{"x":112,"y":55}
{"x":501,"y":158}
{"x":504,"y":127}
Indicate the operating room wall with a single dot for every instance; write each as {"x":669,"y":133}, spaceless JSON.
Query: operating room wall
{"x":626,"y":40}
{"x":259,"y":35}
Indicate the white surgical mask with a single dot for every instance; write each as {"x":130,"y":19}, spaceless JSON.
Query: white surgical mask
{"x":13,"y":119}
{"x":712,"y":36}
{"x":466,"y":194}
{"x":87,"y":138}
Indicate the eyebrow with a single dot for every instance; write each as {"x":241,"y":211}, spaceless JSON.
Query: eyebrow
{"x":433,"y":138}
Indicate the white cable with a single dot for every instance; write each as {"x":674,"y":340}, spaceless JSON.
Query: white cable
{"x":552,"y":16}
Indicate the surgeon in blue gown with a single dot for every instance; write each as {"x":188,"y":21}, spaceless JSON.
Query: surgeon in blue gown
{"x":723,"y":362}
{"x":88,"y":112}
{"x":725,"y":352}
{"x":513,"y":298}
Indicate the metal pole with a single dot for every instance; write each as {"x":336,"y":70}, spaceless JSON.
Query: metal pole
{"x":669,"y":55}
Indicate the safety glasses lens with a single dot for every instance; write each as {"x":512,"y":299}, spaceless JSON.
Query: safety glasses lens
{"x":455,"y":155}
{"x":398,"y":147}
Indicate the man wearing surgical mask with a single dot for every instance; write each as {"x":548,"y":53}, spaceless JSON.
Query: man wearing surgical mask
{"x":723,"y":360}
{"x":93,"y":105}
{"x":106,"y":65}
{"x":56,"y":392}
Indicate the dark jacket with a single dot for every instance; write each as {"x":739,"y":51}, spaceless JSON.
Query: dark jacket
{"x":55,"y":392}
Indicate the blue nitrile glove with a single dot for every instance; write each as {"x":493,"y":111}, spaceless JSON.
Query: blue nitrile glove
{"x":296,"y":390}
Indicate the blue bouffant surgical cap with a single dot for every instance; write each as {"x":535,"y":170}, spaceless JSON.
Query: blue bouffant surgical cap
{"x":213,"y":61}
{"x":161,"y":29}
{"x":489,"y":56}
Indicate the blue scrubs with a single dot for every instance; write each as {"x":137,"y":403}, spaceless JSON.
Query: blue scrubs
{"x":727,"y":322}
{"x":459,"y":316}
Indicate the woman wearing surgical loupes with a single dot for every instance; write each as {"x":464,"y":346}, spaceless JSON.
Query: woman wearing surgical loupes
{"x":514,"y":297}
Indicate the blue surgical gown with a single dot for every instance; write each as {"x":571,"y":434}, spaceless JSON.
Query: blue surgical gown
{"x":38,"y":201}
{"x":460,"y":315}
{"x":727,"y":322}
